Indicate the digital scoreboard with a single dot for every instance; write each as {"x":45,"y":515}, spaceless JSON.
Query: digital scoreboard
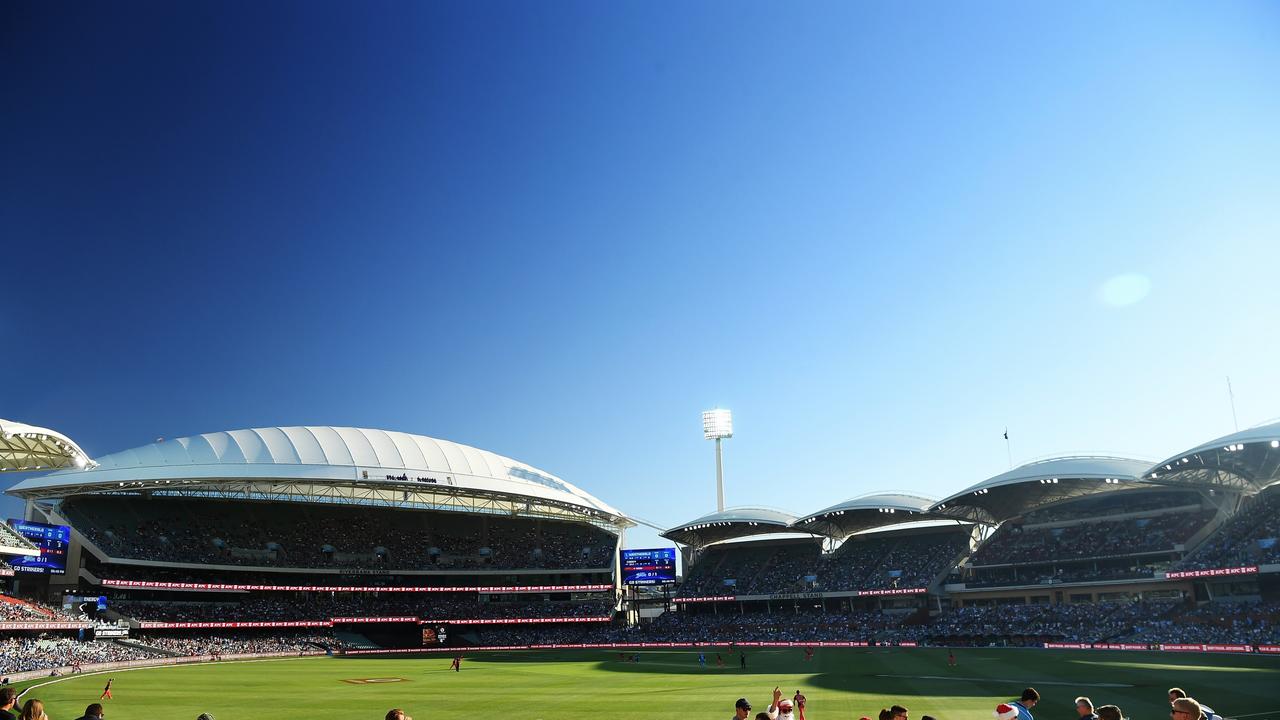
{"x":655,"y":566}
{"x":52,"y":540}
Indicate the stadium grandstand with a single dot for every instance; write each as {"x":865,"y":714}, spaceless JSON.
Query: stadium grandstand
{"x":330,"y":537}
{"x":307,"y":540}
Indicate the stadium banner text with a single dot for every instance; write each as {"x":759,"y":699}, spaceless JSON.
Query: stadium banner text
{"x":1165,"y":647}
{"x":44,"y":625}
{"x":1213,"y":572}
{"x":806,"y":596}
{"x":491,"y":589}
{"x":328,"y":623}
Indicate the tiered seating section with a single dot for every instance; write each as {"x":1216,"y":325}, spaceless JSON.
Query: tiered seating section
{"x":14,"y":609}
{"x":1106,"y":538}
{"x":861,"y":563}
{"x":314,"y":536}
{"x":1250,"y":537}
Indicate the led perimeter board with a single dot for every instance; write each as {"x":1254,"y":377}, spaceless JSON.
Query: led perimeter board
{"x":656,"y":566}
{"x":52,"y":541}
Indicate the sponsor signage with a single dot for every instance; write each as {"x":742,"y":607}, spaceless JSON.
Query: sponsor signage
{"x":894,"y":591}
{"x":807,"y":596}
{"x":270,"y":624}
{"x":6,"y":572}
{"x":1165,"y":647}
{"x":515,"y":621}
{"x":44,"y":625}
{"x":1213,"y":572}
{"x":492,"y":589}
{"x":395,"y":619}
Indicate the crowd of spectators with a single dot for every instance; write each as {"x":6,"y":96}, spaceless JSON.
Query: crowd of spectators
{"x":244,"y":642}
{"x":23,"y":653}
{"x":861,"y":563}
{"x":320,"y":607}
{"x":1249,"y":623}
{"x":1015,"y":543}
{"x":1115,"y":569}
{"x":1250,"y":537}
{"x":310,"y":536}
{"x":1035,"y":623}
{"x":14,"y":609}
{"x":1158,"y":621}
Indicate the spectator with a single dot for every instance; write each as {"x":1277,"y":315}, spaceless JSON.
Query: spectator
{"x":1084,"y":708}
{"x":742,"y":709}
{"x":1207,"y":712}
{"x":33,"y":709}
{"x":8,"y":697}
{"x":1030,"y":698}
{"x":397,"y":714}
{"x":1185,"y":708}
{"x":93,"y":712}
{"x":1110,"y":712}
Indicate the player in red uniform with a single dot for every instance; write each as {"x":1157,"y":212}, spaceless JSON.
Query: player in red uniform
{"x":106,"y":691}
{"x":951,"y":658}
{"x":808,"y":654}
{"x":457,"y":663}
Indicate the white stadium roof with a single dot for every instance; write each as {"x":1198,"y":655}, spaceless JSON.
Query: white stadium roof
{"x":1247,"y":460}
{"x":868,"y":511}
{"x":730,"y":523}
{"x":333,"y":464}
{"x":25,"y":448}
{"x":1041,"y":483}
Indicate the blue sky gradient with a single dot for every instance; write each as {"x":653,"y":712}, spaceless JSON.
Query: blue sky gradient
{"x":879,"y":232}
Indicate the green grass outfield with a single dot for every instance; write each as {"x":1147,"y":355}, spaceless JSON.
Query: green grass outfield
{"x":568,"y":685}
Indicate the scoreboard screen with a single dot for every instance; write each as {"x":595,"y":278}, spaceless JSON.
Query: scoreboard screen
{"x":52,"y":541}
{"x":649,"y":567}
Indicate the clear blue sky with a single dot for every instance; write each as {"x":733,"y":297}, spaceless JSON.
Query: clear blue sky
{"x":879,"y":232}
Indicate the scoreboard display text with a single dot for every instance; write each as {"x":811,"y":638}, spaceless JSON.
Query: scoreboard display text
{"x":656,"y":566}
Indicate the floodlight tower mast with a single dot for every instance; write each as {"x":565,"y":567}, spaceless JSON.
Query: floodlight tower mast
{"x":717,"y":425}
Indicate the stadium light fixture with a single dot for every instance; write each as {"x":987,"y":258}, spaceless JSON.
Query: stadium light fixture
{"x":717,"y":425}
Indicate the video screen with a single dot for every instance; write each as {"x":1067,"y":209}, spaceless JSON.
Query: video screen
{"x":52,"y":541}
{"x":655,"y":566}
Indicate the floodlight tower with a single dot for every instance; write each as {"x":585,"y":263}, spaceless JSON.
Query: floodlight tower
{"x":717,"y":425}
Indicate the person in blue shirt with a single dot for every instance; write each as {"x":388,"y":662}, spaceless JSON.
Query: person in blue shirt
{"x":1024,"y":704}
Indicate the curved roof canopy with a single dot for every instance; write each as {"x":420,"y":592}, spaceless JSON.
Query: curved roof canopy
{"x":27,"y":447}
{"x":332,"y":464}
{"x":729,"y":524}
{"x":866,"y":512}
{"x":1248,"y":461}
{"x":1037,"y":484}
